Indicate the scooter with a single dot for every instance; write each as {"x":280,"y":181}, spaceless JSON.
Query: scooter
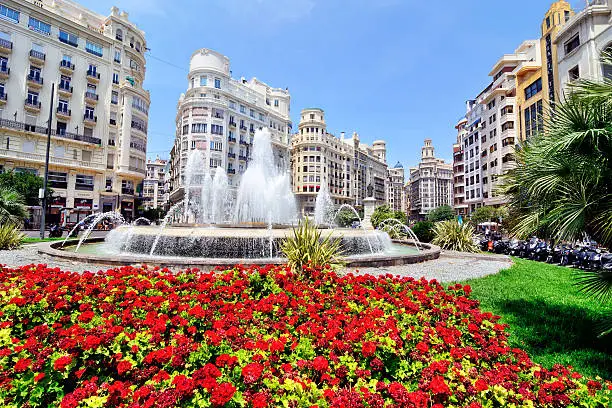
{"x":56,"y":231}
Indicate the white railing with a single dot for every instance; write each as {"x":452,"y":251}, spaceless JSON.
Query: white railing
{"x":55,"y":160}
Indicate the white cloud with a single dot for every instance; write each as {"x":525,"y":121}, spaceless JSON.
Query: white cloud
{"x":269,"y":11}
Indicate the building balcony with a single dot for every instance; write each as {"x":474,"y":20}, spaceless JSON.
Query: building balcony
{"x":90,"y":119}
{"x":73,"y":136}
{"x":64,"y":90}
{"x":243,"y":128}
{"x":137,"y":170}
{"x":66,"y":67}
{"x":5,"y":71}
{"x":127,"y":191}
{"x":113,"y":122}
{"x":91,"y":97}
{"x":37,"y":57}
{"x":231,"y":155}
{"x":242,"y":158}
{"x":6,"y":47}
{"x":93,"y":77}
{"x":34,"y":81}
{"x":232,"y":125}
{"x":40,"y":158}
{"x":243,"y":142}
{"x":231,"y":139}
{"x":252,"y":132}
{"x":32,"y":106}
{"x":231,"y":171}
{"x":63,"y":113}
{"x":3,"y":98}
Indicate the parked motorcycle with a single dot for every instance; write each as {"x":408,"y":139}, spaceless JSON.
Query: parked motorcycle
{"x":56,"y":231}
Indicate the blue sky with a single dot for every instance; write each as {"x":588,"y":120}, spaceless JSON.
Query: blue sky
{"x":398,"y":70}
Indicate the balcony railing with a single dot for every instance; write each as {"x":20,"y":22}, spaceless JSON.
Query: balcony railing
{"x":67,"y":65}
{"x":11,"y":124}
{"x":6,"y":44}
{"x":231,"y":155}
{"x":65,"y":88}
{"x":242,"y":158}
{"x":55,"y":160}
{"x":137,"y":170}
{"x":243,"y":128}
{"x":232,"y":124}
{"x":35,"y":79}
{"x":4,"y":69}
{"x":92,"y":96}
{"x":32,"y":103}
{"x":68,"y":41}
{"x":231,"y":171}
{"x":93,"y":74}
{"x":3,"y":96}
{"x":113,"y":122}
{"x":243,"y":142}
{"x":64,"y":112}
{"x":38,"y":55}
{"x":90,"y":118}
{"x":127,"y":191}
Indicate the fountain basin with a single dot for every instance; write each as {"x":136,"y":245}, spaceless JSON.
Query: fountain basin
{"x":96,"y":251}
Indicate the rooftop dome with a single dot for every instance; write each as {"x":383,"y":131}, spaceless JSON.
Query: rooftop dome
{"x":398,"y":165}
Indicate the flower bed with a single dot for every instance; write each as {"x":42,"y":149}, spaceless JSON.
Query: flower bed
{"x":261,"y":337}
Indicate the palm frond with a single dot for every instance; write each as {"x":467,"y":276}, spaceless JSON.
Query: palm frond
{"x":597,"y":284}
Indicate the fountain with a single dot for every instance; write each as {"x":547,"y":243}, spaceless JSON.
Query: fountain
{"x":216,"y":223}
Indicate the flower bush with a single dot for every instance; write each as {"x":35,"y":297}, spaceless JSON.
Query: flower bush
{"x":262,"y":337}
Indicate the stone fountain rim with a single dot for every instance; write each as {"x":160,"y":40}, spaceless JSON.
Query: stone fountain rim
{"x":429,"y":252}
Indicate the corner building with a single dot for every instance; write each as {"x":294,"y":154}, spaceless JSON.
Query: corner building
{"x":100,"y":111}
{"x":346,"y":165}
{"x":219,"y":115}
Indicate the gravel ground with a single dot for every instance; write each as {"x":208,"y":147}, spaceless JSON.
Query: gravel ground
{"x":450,"y":267}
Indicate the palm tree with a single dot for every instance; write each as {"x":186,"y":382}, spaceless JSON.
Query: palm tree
{"x":561,"y":187}
{"x":12,"y":207}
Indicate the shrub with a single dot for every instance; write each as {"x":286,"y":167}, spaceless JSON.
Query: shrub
{"x":452,"y":236}
{"x":424,"y":231}
{"x":10,"y":236}
{"x":12,"y":207}
{"x":385,"y":212}
{"x":262,"y":337}
{"x":306,"y":246}
{"x":442,"y":213}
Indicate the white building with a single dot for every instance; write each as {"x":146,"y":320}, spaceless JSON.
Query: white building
{"x":395,"y":188}
{"x":218,"y":115}
{"x":347,"y":165}
{"x":459,"y":203}
{"x":581,"y":42}
{"x":100,"y":110}
{"x":153,"y":184}
{"x":431,"y":183}
{"x":498,"y":133}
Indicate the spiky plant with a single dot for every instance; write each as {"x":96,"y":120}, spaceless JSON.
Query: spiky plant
{"x":306,"y":245}
{"x":454,"y":237}
{"x":12,"y":207}
{"x":10,"y":236}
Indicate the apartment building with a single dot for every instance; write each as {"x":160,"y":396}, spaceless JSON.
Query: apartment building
{"x":346,"y":164}
{"x":100,"y":110}
{"x":218,"y":115}
{"x":153,"y":185}
{"x":395,"y":187}
{"x":581,"y":42}
{"x":537,"y":80}
{"x":470,"y":142}
{"x":431,"y":183}
{"x":459,"y":169}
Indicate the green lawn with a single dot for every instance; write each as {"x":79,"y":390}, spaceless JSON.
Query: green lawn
{"x":547,"y":315}
{"x":30,"y":240}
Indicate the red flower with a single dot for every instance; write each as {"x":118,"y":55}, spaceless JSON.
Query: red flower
{"x":39,"y":377}
{"x":368,"y":348}
{"x":61,"y":363}
{"x":481,"y":385}
{"x":422,"y":347}
{"x":438,"y":386}
{"x":222,"y":394}
{"x":320,"y":364}
{"x":251,"y":372}
{"x":22,"y":365}
{"x":123,"y":367}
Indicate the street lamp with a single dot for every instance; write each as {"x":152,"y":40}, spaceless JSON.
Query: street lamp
{"x":44,"y":189}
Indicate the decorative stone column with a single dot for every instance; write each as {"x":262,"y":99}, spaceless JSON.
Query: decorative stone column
{"x":369,"y":205}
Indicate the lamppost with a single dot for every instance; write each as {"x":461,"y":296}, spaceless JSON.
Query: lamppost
{"x":43,"y":193}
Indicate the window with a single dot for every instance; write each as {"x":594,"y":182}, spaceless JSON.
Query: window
{"x":533,"y":89}
{"x":69,"y":38}
{"x":115,"y":78}
{"x":62,"y":105}
{"x":492,"y":118}
{"x":89,"y":112}
{"x":34,"y":73}
{"x":93,"y":48}
{"x":217,"y":83}
{"x":548,"y":22}
{"x":9,"y":14}
{"x":32,"y":98}
{"x":574,"y":73}
{"x":115,"y":97}
{"x":216,"y":129}
{"x":572,"y":44}
{"x":276,"y":103}
{"x":216,"y":146}
{"x":203,"y":81}
{"x":119,"y":34}
{"x":567,"y":15}
{"x":134,"y":65}
{"x":84,"y":182}
{"x":507,"y":126}
{"x":57,"y":179}
{"x":117,"y":56}
{"x":185,"y":130}
{"x":198,"y":128}
{"x":139,"y":124}
{"x":534,"y":122}
{"x":140,"y":104}
{"x":242,"y":109}
{"x":491,"y":104}
{"x":39,"y":26}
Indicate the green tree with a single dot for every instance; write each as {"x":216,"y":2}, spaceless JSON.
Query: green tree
{"x":345,"y":218}
{"x":424,"y":231}
{"x":488,"y":213}
{"x":561,"y":187}
{"x":12,"y":207}
{"x":26,"y":184}
{"x":442,"y":213}
{"x":385,"y":212}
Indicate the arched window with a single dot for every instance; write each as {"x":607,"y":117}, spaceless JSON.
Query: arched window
{"x":607,"y":68}
{"x":132,"y":42}
{"x":119,"y":34}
